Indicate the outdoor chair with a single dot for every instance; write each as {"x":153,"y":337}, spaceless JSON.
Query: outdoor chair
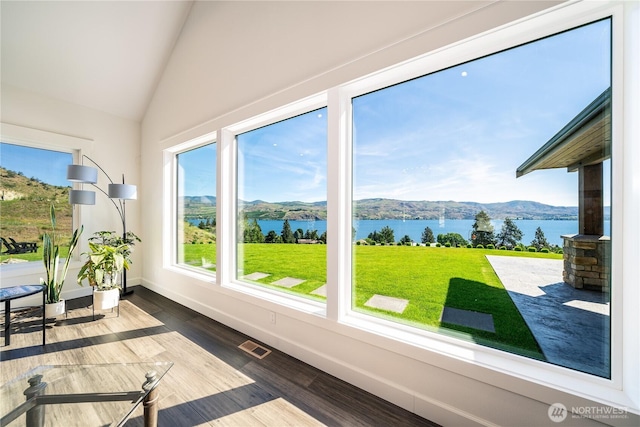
{"x":14,"y":247}
{"x":25,"y":247}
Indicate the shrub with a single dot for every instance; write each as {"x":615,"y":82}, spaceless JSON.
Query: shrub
{"x":479,"y":247}
{"x":358,"y":243}
{"x":469,"y":246}
{"x":531,"y":249}
{"x":438,"y":245}
{"x":503,"y":248}
{"x":447,"y":245}
{"x":560,"y":251}
{"x":544,"y":250}
{"x":517,"y":249}
{"x":490,"y":246}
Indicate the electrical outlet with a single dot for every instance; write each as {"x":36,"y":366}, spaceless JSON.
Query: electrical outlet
{"x":272,"y":317}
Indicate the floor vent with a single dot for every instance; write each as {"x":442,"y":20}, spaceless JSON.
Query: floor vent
{"x":254,"y":349}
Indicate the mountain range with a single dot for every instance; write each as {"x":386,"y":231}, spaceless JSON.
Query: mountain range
{"x":204,"y":206}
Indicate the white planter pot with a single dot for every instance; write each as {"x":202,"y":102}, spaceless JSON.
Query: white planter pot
{"x":54,"y":309}
{"x":103,"y":300}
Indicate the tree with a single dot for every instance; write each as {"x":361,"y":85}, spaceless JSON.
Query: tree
{"x":427,"y":236}
{"x":323,"y":237}
{"x":287,"y":234}
{"x":272,"y":237}
{"x":510,"y":234}
{"x":405,"y":240}
{"x":383,"y":236}
{"x":483,"y":230}
{"x":298,"y":234}
{"x":253,"y":232}
{"x":454,"y":239}
{"x":311,"y":234}
{"x":539,"y":241}
{"x":386,"y":235}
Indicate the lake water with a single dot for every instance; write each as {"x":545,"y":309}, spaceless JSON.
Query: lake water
{"x":414,"y":228}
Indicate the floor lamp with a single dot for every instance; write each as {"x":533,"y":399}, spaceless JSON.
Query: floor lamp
{"x":115,"y":192}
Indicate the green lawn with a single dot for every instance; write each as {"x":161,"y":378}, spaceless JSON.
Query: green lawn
{"x":429,"y":278}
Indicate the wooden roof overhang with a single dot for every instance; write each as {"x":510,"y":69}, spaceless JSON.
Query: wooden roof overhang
{"x":584,"y":141}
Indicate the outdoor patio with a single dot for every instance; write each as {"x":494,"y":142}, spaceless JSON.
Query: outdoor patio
{"x":572,"y":326}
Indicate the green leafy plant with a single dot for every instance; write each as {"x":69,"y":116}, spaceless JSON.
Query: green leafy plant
{"x":109,"y":254}
{"x":51,"y":257}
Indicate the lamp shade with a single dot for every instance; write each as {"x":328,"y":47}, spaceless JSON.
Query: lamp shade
{"x":81,"y":173}
{"x":82,"y":197}
{"x":123,"y":191}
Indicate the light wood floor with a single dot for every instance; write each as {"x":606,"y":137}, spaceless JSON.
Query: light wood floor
{"x":212,"y":382}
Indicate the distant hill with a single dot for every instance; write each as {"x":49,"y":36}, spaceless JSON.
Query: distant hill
{"x":24,"y":207}
{"x":204,"y":207}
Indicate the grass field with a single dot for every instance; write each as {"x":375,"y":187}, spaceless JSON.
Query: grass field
{"x":430,"y":278}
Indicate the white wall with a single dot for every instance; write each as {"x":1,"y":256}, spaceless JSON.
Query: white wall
{"x":235,"y":60}
{"x":111,"y":141}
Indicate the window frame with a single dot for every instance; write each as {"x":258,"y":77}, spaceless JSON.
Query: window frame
{"x":45,"y":140}
{"x":170,"y":195}
{"x":494,"y":41}
{"x":227,"y":202}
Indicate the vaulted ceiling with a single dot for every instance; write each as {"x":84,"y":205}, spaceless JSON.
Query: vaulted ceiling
{"x":105,"y":55}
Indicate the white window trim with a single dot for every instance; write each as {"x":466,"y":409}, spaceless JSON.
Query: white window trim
{"x":46,"y":140}
{"x":227,"y":201}
{"x":617,"y":391}
{"x":170,"y":206}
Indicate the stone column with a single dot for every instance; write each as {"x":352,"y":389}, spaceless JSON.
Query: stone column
{"x":587,"y":262}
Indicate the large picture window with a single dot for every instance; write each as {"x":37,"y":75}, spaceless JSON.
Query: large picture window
{"x":31,"y":179}
{"x":282,"y":205}
{"x":196,"y":208}
{"x":482,"y":200}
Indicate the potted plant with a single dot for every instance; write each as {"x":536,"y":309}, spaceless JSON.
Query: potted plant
{"x":54,"y":275}
{"x":109,"y":255}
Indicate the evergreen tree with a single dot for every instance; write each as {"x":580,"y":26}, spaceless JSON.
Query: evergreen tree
{"x":539,"y":241}
{"x":272,"y":237}
{"x":427,"y":236}
{"x":405,"y":239}
{"x":287,"y":234}
{"x":510,"y":234}
{"x":482,"y":230}
{"x":323,"y":237}
{"x":311,"y":234}
{"x":386,"y":235}
{"x":253,"y":232}
{"x":383,"y":236}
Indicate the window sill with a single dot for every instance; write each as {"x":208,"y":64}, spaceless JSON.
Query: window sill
{"x":424,"y":345}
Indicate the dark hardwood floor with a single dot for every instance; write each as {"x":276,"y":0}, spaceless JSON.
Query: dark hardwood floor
{"x":212,"y":382}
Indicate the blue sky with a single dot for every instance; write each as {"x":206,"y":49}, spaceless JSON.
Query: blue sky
{"x":47,"y":166}
{"x":458,"y":134}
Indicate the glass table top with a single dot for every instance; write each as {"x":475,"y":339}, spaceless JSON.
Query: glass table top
{"x":83,"y":395}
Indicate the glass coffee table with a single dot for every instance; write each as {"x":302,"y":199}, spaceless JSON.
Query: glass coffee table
{"x":82,"y":395}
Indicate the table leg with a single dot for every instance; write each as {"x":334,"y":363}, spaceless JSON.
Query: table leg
{"x":7,"y":322}
{"x":150,"y":405}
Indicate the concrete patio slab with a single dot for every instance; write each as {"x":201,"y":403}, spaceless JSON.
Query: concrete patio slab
{"x":255,"y":276}
{"x":387,"y":303}
{"x":470,"y":319}
{"x":570,"y":325}
{"x":288,"y":282}
{"x":321,"y":291}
